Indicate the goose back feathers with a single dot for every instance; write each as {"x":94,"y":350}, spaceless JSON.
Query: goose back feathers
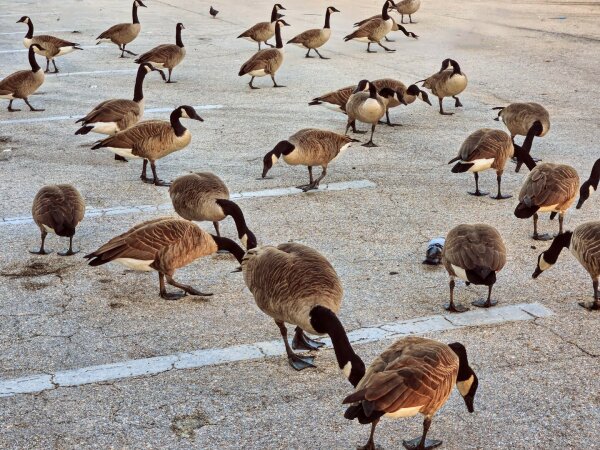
{"x":520,"y":117}
{"x":548,"y":188}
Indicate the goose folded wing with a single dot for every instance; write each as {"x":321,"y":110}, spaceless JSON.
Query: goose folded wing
{"x":111,"y":111}
{"x":260,"y":60}
{"x":114,"y":30}
{"x":158,"y":54}
{"x":305,"y":37}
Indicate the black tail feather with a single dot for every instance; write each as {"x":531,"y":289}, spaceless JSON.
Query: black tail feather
{"x":522,"y":211}
{"x":461,"y":167}
{"x":85,"y":130}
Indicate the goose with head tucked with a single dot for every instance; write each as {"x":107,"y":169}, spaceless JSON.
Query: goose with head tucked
{"x":152,"y":140}
{"x":448,"y":82}
{"x":315,"y":38}
{"x":53,"y":46}
{"x":412,"y":376}
{"x":589,"y":186}
{"x":263,"y":31}
{"x":166,"y":56}
{"x":21,"y":84}
{"x":163,"y":245}
{"x":295,"y":284}
{"x":123,"y":33}
{"x":373,"y":31}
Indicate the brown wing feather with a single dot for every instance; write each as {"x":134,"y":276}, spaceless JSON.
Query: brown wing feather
{"x":142,"y":138}
{"x":168,"y":54}
{"x":262,"y":31}
{"x":551,"y":184}
{"x":487,"y":143}
{"x":194,"y":196}
{"x":114,"y":111}
{"x":60,"y":207}
{"x":268,"y":59}
{"x":474,"y":246}
{"x":368,"y":29}
{"x":585,"y":244}
{"x":339,"y":97}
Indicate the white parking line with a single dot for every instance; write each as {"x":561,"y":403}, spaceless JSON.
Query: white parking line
{"x":139,"y":209}
{"x":248,"y":352}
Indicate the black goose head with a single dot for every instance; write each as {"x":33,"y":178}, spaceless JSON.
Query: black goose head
{"x":363,"y":85}
{"x":466,"y":380}
{"x":548,"y":258}
{"x":139,"y":3}
{"x":180,"y":26}
{"x":24,"y":19}
{"x":188,"y":112}
{"x":277,"y":6}
{"x":281,"y":22}
{"x":332,"y":9}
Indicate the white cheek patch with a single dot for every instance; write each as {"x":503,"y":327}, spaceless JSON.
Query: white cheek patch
{"x":244,"y":240}
{"x":184,"y":113}
{"x":465,"y":386}
{"x":347,"y":369}
{"x":274,"y":159}
{"x":543,"y":264}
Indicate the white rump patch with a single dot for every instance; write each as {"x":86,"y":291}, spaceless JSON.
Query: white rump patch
{"x":7,"y":96}
{"x":460,"y":272}
{"x":65,"y":50}
{"x":124,"y":152}
{"x":480,"y":165}
{"x":136,"y":264}
{"x":405,"y":412}
{"x":104,"y":127}
{"x":48,"y":229}
{"x":258,"y":73}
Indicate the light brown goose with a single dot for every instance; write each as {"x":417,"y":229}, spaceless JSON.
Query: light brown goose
{"x":21,"y":84}
{"x":373,"y":31}
{"x":315,"y":38}
{"x":407,"y":7}
{"x":484,"y":149}
{"x":335,"y":100}
{"x":520,"y":117}
{"x":475,"y":254}
{"x":123,"y":33}
{"x":584,"y":244}
{"x":163,"y":245}
{"x":166,"y":56}
{"x":58,"y":208}
{"x":53,"y":46}
{"x":295,"y":284}
{"x":589,"y":186}
{"x":266,"y":62}
{"x":412,"y":376}
{"x":308,"y":147}
{"x":204,"y":196}
{"x":263,"y":31}
{"x":448,"y":82}
{"x":152,"y":140}
{"x":395,"y":27}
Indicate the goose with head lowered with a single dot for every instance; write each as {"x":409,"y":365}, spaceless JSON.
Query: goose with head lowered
{"x":315,"y":38}
{"x":308,"y":147}
{"x":152,"y":140}
{"x":263,"y":31}
{"x":412,"y":376}
{"x":395,"y":27}
{"x":589,"y":186}
{"x":373,"y":31}
{"x":295,"y":284}
{"x":123,"y":33}
{"x":21,"y":84}
{"x":266,"y":62}
{"x":163,"y":245}
{"x":204,"y":196}
{"x":53,"y":46}
{"x":584,"y":244}
{"x":448,"y":82}
{"x":166,"y":56}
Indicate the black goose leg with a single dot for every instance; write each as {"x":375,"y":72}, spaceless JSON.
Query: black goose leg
{"x":388,"y":122}
{"x":536,"y":236}
{"x":370,"y":445}
{"x":354,"y":130}
{"x":369,"y":48}
{"x":169,"y":80}
{"x":477,"y":192}
{"x":157,"y":181}
{"x":499,"y":196}
{"x":163,"y":290}
{"x":55,"y":68}
{"x":128,"y":52}
{"x":308,"y":54}
{"x":70,"y":251}
{"x":315,"y":184}
{"x":120,"y":158}
{"x":10,"y":108}
{"x":297,"y":362}
{"x":270,"y":45}
{"x":442,"y":112}
{"x":251,"y":85}
{"x":560,"y":222}
{"x":42,"y":250}
{"x":47,"y":66}
{"x":275,"y":85}
{"x":305,"y":187}
{"x":143,"y":176}
{"x":371,"y":143}
{"x":457,"y":103}
{"x":320,"y":56}
{"x":595,"y":306}
{"x":422,"y":443}
{"x":410,"y":18}
{"x":258,"y":45}
{"x":385,"y":48}
{"x":387,"y":39}
{"x":188,"y":289}
{"x":486,"y":303}
{"x":402,"y":18}
{"x":31,"y":107}
{"x":122,"y":48}
{"x":302,"y":342}
{"x":451,"y":306}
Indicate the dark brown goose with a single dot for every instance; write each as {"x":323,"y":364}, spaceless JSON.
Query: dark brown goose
{"x":53,"y":46}
{"x":590,"y":185}
{"x":58,"y":208}
{"x":475,"y":254}
{"x":448,"y":82}
{"x":395,"y":27}
{"x":308,"y":147}
{"x":584,"y":244}
{"x":412,"y":376}
{"x":315,"y":38}
{"x":204,"y":196}
{"x":123,"y":33}
{"x":21,"y":84}
{"x":293,"y":283}
{"x":163,"y":245}
{"x":263,"y":31}
{"x":373,"y":31}
{"x":166,"y":56}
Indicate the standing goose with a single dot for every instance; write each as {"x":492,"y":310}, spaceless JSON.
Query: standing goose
{"x":395,"y":27}
{"x":590,"y":185}
{"x":309,"y":147}
{"x":57,"y":208}
{"x":448,"y":82}
{"x":52,"y":46}
{"x":408,"y":7}
{"x":203,"y":196}
{"x":519,"y":118}
{"x":23,"y":83}
{"x":315,"y":38}
{"x":266,"y":62}
{"x":164,"y":245}
{"x":373,"y":31}
{"x":152,"y":140}
{"x":166,"y":56}
{"x":473,"y":253}
{"x":263,"y":31}
{"x":294,"y":283}
{"x":413,"y":375}
{"x":484,"y":149}
{"x":123,"y":33}
{"x":584,"y":243}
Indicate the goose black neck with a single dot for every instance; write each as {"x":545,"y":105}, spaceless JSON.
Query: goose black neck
{"x":372,"y":90}
{"x":32,"y":62}
{"x":176,"y":123}
{"x":323,"y":320}
{"x":232,"y":209}
{"x":464,"y":370}
{"x":561,"y":241}
{"x":455,"y":66}
{"x":227,"y":244}
{"x":138,"y":92}
{"x":29,"y":34}
{"x":178,"y":40}
{"x":134,"y":13}
{"x":278,"y":41}
{"x":595,"y":175}
{"x":384,"y":12}
{"x":274,"y":14}
{"x":327,"y":15}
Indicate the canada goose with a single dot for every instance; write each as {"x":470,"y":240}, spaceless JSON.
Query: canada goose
{"x":266,"y":62}
{"x":519,"y":117}
{"x":413,"y":375}
{"x":484,"y":149}
{"x":335,"y":100}
{"x":263,"y":31}
{"x":473,"y":253}
{"x":308,"y":147}
{"x":395,"y":27}
{"x":315,"y":38}
{"x":123,"y":33}
{"x":448,"y":82}
{"x":584,"y":245}
{"x":152,"y":140}
{"x":52,"y":46}
{"x":213,"y":12}
{"x":164,"y":245}
{"x":408,"y":7}
{"x":203,"y":196}
{"x":23,"y":83}
{"x":166,"y":56}
{"x":294,"y":283}
{"x":373,"y":31}
{"x":57,"y":208}
{"x":112,"y":116}
{"x":590,"y":185}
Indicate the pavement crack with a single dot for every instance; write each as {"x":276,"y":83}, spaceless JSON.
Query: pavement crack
{"x":565,"y":340}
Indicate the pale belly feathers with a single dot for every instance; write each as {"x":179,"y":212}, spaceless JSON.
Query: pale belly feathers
{"x":551,"y":208}
{"x":404,"y":412}
{"x":456,"y":84}
{"x":370,"y":111}
{"x":136,"y":264}
{"x":480,"y":165}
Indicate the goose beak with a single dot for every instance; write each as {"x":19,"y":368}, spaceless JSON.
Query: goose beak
{"x":469,"y":402}
{"x":580,"y":203}
{"x":536,"y":273}
{"x":195,"y":116}
{"x":141,"y":4}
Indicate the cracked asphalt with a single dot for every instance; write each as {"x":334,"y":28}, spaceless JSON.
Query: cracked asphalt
{"x":538,"y":378}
